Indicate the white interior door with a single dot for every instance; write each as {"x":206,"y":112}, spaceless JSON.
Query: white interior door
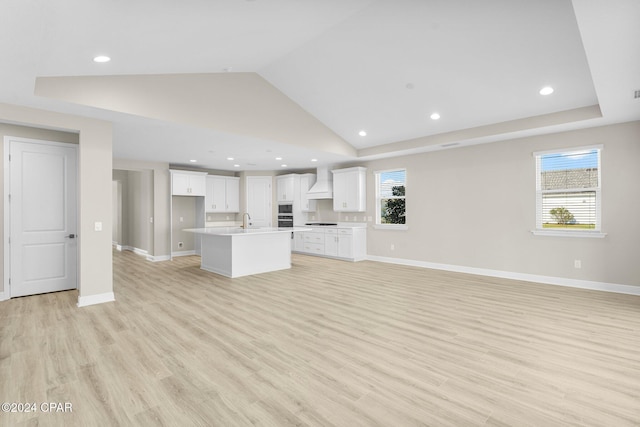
{"x":259,"y":200}
{"x":43,"y":208}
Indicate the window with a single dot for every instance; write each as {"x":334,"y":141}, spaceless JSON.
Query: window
{"x":390,"y":198}
{"x":568,"y":190}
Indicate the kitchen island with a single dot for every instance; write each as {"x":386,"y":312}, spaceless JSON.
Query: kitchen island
{"x":236,"y":252}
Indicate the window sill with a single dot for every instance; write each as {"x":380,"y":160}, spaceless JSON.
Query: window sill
{"x":569,"y":233}
{"x":390,"y":227}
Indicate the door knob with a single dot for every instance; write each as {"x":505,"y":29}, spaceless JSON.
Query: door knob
{"x":70,"y":236}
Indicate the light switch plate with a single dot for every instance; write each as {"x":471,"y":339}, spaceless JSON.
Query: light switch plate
{"x":97,"y":226}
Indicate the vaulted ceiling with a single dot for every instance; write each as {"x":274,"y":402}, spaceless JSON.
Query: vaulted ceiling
{"x":253,"y":80}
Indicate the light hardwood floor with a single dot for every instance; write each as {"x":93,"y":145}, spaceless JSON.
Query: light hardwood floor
{"x":326,"y":343}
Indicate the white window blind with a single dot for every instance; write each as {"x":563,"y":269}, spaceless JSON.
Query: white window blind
{"x":568,"y":190}
{"x":390,"y":197}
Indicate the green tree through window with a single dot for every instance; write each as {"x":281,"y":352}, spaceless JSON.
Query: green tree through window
{"x":393,"y":210}
{"x":390,"y":197}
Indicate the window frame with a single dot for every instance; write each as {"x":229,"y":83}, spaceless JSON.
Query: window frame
{"x":568,"y":232}
{"x":378,"y":200}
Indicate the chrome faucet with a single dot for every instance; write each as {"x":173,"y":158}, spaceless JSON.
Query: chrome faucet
{"x":245,"y":220}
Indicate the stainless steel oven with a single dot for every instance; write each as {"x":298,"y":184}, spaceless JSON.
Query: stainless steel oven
{"x":285,"y":216}
{"x":285,"y":221}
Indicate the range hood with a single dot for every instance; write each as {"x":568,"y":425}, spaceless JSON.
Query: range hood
{"x":323,"y":188}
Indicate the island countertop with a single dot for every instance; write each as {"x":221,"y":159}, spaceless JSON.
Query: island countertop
{"x":238,"y":231}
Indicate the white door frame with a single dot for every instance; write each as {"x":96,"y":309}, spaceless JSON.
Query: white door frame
{"x":7,"y":207}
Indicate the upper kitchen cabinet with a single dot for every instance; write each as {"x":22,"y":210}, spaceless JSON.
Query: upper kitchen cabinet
{"x":349,"y":189}
{"x":285,"y":187}
{"x":306,"y":181}
{"x":223,"y":194}
{"x":188,"y":183}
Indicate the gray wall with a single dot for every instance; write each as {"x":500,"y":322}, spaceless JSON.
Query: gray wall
{"x":155,"y":189}
{"x":475,"y":207}
{"x":183,"y":207}
{"x":95,"y":137}
{"x":135,"y":228}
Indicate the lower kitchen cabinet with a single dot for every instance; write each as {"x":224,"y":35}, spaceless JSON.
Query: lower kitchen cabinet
{"x":298,"y":241}
{"x":343,"y":243}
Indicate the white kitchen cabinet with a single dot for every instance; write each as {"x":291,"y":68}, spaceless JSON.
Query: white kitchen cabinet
{"x":285,"y":188}
{"x":306,"y":182}
{"x":313,"y":248}
{"x":345,"y":244}
{"x":339,"y":243}
{"x":313,"y":237}
{"x":216,"y":196}
{"x":188,"y":183}
{"x":223,"y":194}
{"x":298,"y":241}
{"x":348,"y":243}
{"x":232,"y":187}
{"x":331,"y":242}
{"x":349,"y":189}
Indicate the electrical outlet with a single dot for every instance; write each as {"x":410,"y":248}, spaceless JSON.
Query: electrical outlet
{"x":181,"y":219}
{"x":180,"y":244}
{"x":209,"y":218}
{"x":151,"y":220}
{"x":227,"y":217}
{"x":393,"y":247}
{"x":577,"y":263}
{"x":97,"y":226}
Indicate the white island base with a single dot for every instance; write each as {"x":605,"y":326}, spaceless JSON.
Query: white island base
{"x":234,"y":252}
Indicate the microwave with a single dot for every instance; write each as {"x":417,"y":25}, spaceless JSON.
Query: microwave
{"x":285,"y":209}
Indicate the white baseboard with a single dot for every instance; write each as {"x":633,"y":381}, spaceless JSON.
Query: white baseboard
{"x":145,"y":254}
{"x":183,"y":253}
{"x":548,"y":280}
{"x":96,"y":299}
{"x":158,"y":258}
{"x":135,"y":250}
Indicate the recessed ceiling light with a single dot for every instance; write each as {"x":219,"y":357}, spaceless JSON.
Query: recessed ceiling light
{"x":547,"y":90}
{"x":284,"y":166}
{"x":229,"y":158}
{"x":278,"y":158}
{"x":435,"y":116}
{"x":236,"y":166}
{"x":314,"y":160}
{"x":101,"y":58}
{"x":193,"y":161}
{"x":362,"y":133}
